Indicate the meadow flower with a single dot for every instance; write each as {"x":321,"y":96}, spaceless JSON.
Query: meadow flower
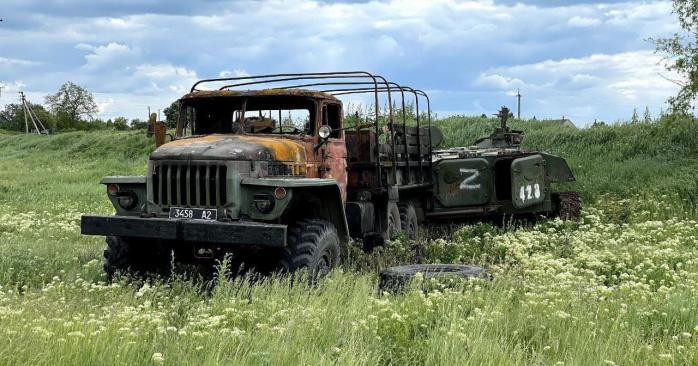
{"x":158,"y":358}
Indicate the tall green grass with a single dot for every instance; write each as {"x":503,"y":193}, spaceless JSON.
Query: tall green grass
{"x":616,"y":287}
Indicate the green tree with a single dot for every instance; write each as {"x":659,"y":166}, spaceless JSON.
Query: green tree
{"x":681,"y":54}
{"x":635,"y":118}
{"x":172,"y":114}
{"x":647,"y":116}
{"x":71,"y":105}
{"x":137,"y":124}
{"x":12,"y":117}
{"x":120,"y":123}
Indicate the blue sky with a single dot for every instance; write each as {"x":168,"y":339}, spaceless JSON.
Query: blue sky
{"x":585,"y":60}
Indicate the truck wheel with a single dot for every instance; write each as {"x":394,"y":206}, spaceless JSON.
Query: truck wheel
{"x":567,"y":205}
{"x":312,"y":244}
{"x":394,"y":223}
{"x":408,"y":220}
{"x":136,"y":257}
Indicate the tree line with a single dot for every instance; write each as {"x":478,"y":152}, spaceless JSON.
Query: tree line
{"x":73,"y":108}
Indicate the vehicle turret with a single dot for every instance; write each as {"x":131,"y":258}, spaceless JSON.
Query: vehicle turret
{"x":503,"y":136}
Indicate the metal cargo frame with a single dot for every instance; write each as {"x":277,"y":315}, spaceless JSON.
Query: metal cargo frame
{"x":360,"y":82}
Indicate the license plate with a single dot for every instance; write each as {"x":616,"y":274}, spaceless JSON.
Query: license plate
{"x":193,"y":213}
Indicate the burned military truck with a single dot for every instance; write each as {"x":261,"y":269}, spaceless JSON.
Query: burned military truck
{"x":273,"y":176}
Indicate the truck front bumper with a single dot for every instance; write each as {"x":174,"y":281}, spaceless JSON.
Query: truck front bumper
{"x":234,"y":233}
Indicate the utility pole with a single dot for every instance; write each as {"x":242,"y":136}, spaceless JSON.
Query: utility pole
{"x":518,"y":97}
{"x":1,"y":87}
{"x":40,"y":129}
{"x":26,"y":122}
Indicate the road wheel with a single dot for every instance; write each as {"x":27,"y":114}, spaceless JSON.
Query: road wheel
{"x":396,"y":278}
{"x":312,"y":244}
{"x":567,"y":205}
{"x":135,"y":256}
{"x":394,"y":223}
{"x":408,"y":220}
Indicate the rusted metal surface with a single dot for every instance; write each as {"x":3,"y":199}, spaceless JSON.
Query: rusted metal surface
{"x":234,"y":147}
{"x":261,"y":92}
{"x":334,"y":164}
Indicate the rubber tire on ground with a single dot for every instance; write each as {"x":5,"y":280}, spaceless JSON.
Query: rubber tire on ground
{"x":408,"y":220}
{"x":395,"y":279}
{"x":567,"y":205}
{"x":135,"y":257}
{"x":312,"y":244}
{"x":394,"y":223}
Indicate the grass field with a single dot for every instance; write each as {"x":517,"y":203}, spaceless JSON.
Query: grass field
{"x":617,"y":287}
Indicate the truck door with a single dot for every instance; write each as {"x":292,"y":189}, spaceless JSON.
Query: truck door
{"x":334,"y":152}
{"x":528,"y":181}
{"x":463,"y":182}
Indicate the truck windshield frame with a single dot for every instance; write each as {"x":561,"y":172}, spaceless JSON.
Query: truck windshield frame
{"x":288,"y":115}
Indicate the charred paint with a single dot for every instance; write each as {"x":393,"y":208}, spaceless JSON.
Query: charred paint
{"x":335,"y":164}
{"x":234,"y":147}
{"x":261,"y":92}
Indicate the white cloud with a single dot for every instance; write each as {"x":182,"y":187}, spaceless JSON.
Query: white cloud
{"x":583,"y":22}
{"x":17,"y":62}
{"x":498,"y":81}
{"x":109,"y":55}
{"x":233,"y":74}
{"x":164,"y":78}
{"x":586,"y":86}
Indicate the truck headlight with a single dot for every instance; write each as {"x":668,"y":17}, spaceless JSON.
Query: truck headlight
{"x":127,"y":200}
{"x":264,"y":203}
{"x":325,"y":131}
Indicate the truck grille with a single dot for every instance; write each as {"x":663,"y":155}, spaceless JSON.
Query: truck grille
{"x":189,"y":184}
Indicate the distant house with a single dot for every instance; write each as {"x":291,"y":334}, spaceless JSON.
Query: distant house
{"x":564,"y":121}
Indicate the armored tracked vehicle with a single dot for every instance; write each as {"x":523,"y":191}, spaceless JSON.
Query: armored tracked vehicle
{"x":498,"y":177}
{"x":275,"y":177}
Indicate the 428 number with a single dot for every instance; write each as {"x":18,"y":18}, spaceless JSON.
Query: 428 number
{"x":529,"y":192}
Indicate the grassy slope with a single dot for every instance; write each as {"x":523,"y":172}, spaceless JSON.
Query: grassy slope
{"x":617,"y":286}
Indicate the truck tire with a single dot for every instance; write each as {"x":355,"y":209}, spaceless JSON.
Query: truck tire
{"x":135,"y":257}
{"x":394,"y":223}
{"x":312,"y":244}
{"x":408,"y":220}
{"x":567,"y":205}
{"x":396,"y":278}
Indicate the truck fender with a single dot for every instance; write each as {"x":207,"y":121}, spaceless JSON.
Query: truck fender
{"x":309,"y":198}
{"x":133,"y":184}
{"x":323,"y":202}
